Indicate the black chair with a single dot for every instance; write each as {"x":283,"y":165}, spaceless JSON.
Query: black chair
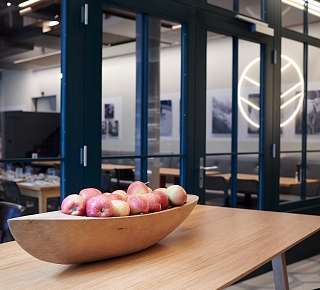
{"x":219,"y":183}
{"x":105,"y":182}
{"x":123,"y":178}
{"x":13,"y":194}
{"x":8,"y":210}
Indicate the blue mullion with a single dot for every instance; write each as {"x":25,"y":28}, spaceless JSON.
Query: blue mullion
{"x":261,"y":193}
{"x":184,"y":107}
{"x":143,"y":90}
{"x":234,"y":141}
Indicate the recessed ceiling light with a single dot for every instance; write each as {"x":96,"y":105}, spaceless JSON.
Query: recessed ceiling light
{"x":28,"y":3}
{"x":53,"y":23}
{"x":9,"y":4}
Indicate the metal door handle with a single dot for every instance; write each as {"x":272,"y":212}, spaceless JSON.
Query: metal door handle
{"x":208,"y":167}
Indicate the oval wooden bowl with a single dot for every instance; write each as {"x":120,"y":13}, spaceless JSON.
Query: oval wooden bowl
{"x":63,"y":239}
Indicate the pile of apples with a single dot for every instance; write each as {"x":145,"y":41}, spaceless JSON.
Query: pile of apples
{"x":139,"y":199}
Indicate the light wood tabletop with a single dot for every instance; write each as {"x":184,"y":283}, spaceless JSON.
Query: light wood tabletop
{"x":41,"y":192}
{"x":284,"y":181}
{"x":212,"y":249}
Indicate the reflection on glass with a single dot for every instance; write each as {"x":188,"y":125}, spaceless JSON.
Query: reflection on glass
{"x":30,"y":82}
{"x":250,"y":8}
{"x":292,"y":94}
{"x":314,"y":18}
{"x":226,"y":4}
{"x":117,"y":174}
{"x":313,"y":175}
{"x":164,"y":86}
{"x":313,"y":99}
{"x":248,"y":181}
{"x":118,"y":115}
{"x":163,"y":172}
{"x":219,"y":93}
{"x":248,"y":96}
{"x":290,"y":177}
{"x":217,"y":175}
{"x":292,"y":15}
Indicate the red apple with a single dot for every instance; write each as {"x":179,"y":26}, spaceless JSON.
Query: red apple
{"x":111,"y":196}
{"x":154,"y":202}
{"x":87,"y":193}
{"x":163,"y":189}
{"x":121,"y":194}
{"x":74,"y":204}
{"x":176,"y":194}
{"x":163,"y":198}
{"x":138,"y":204}
{"x":137,"y":187}
{"x":99,"y":206}
{"x":120,"y":208}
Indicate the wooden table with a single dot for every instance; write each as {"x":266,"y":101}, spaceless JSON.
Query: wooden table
{"x":109,"y":167}
{"x":42,"y":193}
{"x":214,"y":248}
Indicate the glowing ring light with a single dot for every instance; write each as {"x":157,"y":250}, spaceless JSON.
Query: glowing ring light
{"x":298,"y":97}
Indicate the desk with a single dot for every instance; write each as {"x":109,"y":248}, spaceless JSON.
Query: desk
{"x":214,"y":248}
{"x":42,"y":193}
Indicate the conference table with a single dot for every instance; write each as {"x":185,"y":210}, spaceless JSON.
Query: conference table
{"x":214,"y":248}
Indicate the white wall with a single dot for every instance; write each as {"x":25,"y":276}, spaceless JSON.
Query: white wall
{"x":118,"y":81}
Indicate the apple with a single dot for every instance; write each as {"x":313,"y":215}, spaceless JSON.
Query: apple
{"x":87,"y":193}
{"x":176,"y":194}
{"x":163,"y":198}
{"x":74,"y":204}
{"x":99,"y":206}
{"x":154,"y":202}
{"x":138,"y":204}
{"x":163,"y":189}
{"x":111,"y":196}
{"x":120,"y":208}
{"x":121,"y":194}
{"x":137,"y":187}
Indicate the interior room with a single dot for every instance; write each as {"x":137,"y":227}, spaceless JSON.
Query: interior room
{"x":209,"y":102}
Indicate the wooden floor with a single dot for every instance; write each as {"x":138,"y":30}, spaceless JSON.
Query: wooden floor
{"x":303,"y":275}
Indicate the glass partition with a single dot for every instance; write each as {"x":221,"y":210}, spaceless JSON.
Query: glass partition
{"x":30,"y":105}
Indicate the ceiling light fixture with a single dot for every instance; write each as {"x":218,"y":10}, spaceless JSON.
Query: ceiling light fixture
{"x":313,"y":5}
{"x":296,"y":99}
{"x":175,"y":27}
{"x":28,"y":3}
{"x":9,"y":4}
{"x":32,"y":58}
{"x":53,"y":23}
{"x":25,"y":10}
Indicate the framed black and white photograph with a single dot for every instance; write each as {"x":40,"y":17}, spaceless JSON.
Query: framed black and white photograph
{"x":166,"y":118}
{"x":113,"y":128}
{"x":104,"y":128}
{"x":253,"y":113}
{"x":221,"y":115}
{"x":313,"y":115}
{"x":109,"y":111}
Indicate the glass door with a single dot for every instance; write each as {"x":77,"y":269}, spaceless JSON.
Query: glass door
{"x":231,"y":161}
{"x":140,"y":101}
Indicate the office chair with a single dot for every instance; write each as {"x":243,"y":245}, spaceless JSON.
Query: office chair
{"x":7,"y":211}
{"x":13,"y":194}
{"x":105,"y":182}
{"x":124,"y":177}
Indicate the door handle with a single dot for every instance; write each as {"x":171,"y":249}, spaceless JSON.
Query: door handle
{"x":208,"y":167}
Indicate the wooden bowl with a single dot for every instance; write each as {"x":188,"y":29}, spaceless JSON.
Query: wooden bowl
{"x":64,"y":239}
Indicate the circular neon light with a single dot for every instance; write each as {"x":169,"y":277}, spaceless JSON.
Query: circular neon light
{"x":297,"y":97}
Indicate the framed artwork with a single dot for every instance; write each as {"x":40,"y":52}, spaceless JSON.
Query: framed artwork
{"x":221,"y":120}
{"x":166,"y":118}
{"x":313,"y":115}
